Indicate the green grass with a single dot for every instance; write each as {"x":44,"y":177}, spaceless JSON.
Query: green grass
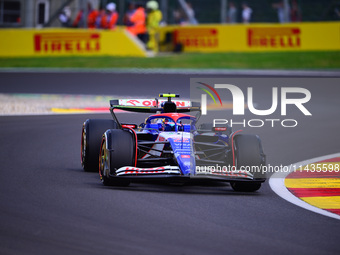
{"x":277,"y":60}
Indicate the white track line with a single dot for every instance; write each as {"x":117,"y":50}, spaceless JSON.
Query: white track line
{"x":277,"y":184}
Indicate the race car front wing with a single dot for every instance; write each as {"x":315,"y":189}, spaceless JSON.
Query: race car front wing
{"x":175,"y":172}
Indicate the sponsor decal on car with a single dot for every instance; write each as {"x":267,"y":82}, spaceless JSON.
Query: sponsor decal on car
{"x":154,"y":170}
{"x":152,"y":103}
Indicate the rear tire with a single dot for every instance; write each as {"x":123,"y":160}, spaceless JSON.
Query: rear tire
{"x":92,"y":132}
{"x":249,"y":156}
{"x":118,"y":149}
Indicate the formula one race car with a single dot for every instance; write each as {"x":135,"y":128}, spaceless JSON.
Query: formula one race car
{"x":169,"y":146}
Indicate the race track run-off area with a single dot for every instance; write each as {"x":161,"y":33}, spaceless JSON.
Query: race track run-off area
{"x":312,"y":184}
{"x":49,"y":205}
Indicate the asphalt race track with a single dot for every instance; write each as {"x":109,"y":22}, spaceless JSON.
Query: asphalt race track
{"x":48,"y":205}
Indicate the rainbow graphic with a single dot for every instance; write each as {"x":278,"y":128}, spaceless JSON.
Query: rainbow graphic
{"x":209,"y":93}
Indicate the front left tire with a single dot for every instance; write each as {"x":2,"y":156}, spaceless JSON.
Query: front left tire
{"x":118,"y":149}
{"x":91,"y":137}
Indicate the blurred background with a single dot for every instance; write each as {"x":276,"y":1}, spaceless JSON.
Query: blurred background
{"x":279,"y":34}
{"x":45,"y":13}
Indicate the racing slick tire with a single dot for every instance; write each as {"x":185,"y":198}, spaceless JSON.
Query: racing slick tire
{"x":245,"y":186}
{"x":91,"y":137}
{"x":249,"y":155}
{"x":118,"y":149}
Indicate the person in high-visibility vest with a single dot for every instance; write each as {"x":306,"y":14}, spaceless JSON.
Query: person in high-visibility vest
{"x":152,"y":23}
{"x":137,"y":20}
{"x":91,"y":18}
{"x":109,"y":20}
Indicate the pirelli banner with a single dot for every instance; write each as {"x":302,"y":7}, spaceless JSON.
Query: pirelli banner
{"x":254,"y":37}
{"x":68,"y":42}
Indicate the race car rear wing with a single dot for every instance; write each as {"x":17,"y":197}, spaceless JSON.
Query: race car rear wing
{"x":155,"y":105}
